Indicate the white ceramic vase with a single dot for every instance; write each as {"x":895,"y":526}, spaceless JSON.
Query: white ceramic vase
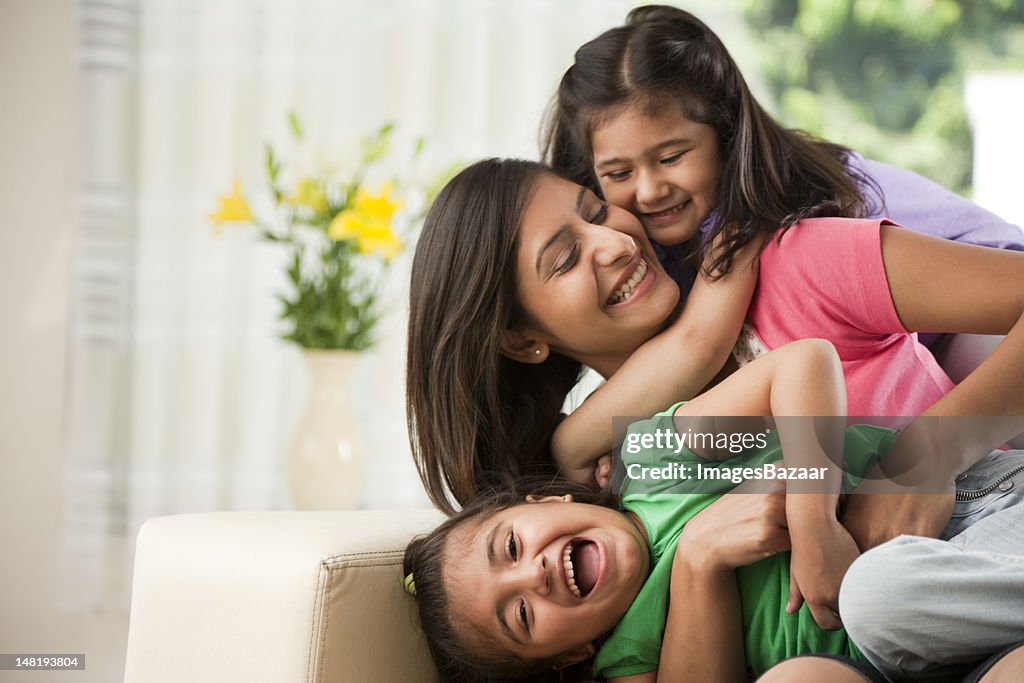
{"x":325,"y":459}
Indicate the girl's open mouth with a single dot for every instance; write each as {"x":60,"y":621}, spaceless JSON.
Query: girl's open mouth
{"x":581,"y":564}
{"x":666,"y":216}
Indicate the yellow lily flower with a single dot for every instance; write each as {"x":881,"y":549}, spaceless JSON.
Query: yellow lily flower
{"x":379,"y":238}
{"x":233,"y":208}
{"x":370,"y":234}
{"x":379,"y":207}
{"x":309,"y":193}
{"x":368,"y":222}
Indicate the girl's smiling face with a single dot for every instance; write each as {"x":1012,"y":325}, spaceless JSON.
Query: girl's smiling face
{"x":587,"y":275}
{"x":542,"y":581}
{"x":661,"y":166}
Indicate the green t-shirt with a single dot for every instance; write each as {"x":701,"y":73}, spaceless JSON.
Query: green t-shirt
{"x":666,"y":506}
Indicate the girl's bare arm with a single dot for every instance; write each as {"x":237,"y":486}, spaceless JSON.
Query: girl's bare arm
{"x":801,"y":384}
{"x":673,"y":366}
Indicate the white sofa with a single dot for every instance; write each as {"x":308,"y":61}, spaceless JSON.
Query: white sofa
{"x":280,"y":597}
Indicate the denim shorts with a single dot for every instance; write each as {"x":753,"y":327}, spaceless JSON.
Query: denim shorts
{"x":994,"y":483}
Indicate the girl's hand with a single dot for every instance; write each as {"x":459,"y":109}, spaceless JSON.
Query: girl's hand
{"x":822,"y":552}
{"x":739,"y":529}
{"x":603,"y":471}
{"x":598,"y":471}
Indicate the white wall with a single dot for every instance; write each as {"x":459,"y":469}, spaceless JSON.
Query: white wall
{"x":38,"y":143}
{"x":995,"y":103}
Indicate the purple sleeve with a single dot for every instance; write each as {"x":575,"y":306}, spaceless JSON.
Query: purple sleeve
{"x":925,"y":206}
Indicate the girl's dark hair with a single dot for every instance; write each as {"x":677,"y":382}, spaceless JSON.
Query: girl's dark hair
{"x":474,"y":415}
{"x":772,"y":176}
{"x":425,"y":560}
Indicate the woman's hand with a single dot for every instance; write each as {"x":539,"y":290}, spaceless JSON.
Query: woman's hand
{"x":911,"y":491}
{"x":740,"y":528}
{"x":874,"y":518}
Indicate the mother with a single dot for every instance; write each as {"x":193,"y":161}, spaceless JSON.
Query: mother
{"x":488,"y":269}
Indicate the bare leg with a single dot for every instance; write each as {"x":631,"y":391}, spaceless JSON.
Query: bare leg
{"x":1009,"y":669}
{"x":813,"y":669}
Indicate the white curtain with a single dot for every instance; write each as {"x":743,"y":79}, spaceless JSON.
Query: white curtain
{"x":183,"y":397}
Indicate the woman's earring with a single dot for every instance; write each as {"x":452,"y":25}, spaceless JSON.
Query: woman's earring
{"x":536,"y":352}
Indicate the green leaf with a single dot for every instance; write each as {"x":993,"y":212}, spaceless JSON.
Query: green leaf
{"x":376,"y":145}
{"x":273,"y":165}
{"x":271,"y":161}
{"x":293,"y":122}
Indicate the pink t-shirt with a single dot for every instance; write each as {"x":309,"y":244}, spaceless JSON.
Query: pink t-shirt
{"x":826,"y":279}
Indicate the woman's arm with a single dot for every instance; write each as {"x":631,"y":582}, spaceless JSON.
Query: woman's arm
{"x":697,"y":344}
{"x":646,"y":677}
{"x":938,"y":285}
{"x":704,"y":634}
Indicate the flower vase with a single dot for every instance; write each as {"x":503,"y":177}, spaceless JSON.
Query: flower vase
{"x":325,"y":459}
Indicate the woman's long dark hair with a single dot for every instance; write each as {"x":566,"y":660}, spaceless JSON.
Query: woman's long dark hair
{"x":475,"y":416}
{"x":425,"y":561}
{"x":771,"y":176}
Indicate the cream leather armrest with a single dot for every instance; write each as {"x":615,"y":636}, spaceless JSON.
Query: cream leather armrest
{"x":281,"y":597}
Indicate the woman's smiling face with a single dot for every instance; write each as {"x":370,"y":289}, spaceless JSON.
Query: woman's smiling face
{"x":541,"y":581}
{"x":588,"y":276}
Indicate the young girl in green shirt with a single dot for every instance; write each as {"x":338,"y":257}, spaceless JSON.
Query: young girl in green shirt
{"x":512,"y":587}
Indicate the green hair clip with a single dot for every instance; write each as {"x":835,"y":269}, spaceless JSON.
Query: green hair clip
{"x":410,"y":585}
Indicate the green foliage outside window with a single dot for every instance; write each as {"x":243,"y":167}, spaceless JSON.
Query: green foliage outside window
{"x":886,"y":77}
